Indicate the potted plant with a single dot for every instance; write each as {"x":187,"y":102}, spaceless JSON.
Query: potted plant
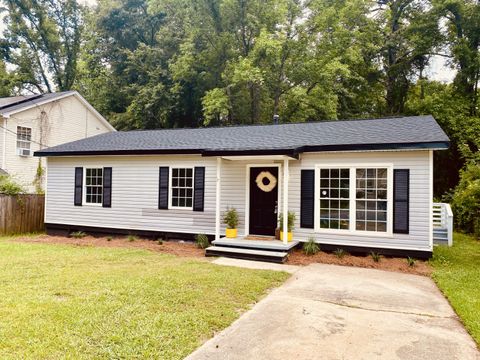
{"x":230,"y":218}
{"x":290,"y":225}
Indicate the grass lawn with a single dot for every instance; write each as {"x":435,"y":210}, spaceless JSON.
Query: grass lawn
{"x":457,"y":274}
{"x":60,"y":301}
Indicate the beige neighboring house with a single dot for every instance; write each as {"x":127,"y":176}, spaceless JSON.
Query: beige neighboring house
{"x":34,"y":122}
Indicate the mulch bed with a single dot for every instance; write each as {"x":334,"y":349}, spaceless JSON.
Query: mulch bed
{"x":297,"y":257}
{"x":173,"y":247}
{"x":189,"y":249}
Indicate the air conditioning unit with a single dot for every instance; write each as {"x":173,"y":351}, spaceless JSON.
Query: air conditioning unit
{"x":23,"y":152}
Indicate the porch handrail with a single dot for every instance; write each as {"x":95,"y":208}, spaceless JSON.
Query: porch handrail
{"x":443,"y":219}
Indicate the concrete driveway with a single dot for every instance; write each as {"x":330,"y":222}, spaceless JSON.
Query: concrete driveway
{"x":335,"y":312}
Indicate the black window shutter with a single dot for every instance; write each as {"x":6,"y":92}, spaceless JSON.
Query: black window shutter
{"x":78,"y":186}
{"x":199,"y":189}
{"x":163,"y":187}
{"x":107,"y":187}
{"x":401,"y":190}
{"x":307,"y":201}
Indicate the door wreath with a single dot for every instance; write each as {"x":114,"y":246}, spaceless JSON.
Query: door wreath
{"x":262,"y":184}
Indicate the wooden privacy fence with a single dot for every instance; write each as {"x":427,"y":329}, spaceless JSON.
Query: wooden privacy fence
{"x":21,"y":214}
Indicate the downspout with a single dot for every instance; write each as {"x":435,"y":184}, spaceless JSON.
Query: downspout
{"x":4,"y":150}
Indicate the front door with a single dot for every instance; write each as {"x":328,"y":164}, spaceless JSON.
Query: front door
{"x":263,"y":200}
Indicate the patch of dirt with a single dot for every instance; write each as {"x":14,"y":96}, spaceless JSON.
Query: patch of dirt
{"x":297,"y":257}
{"x":173,"y":247}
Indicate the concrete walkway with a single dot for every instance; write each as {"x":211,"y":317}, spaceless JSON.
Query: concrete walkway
{"x":335,"y":312}
{"x":260,"y":265}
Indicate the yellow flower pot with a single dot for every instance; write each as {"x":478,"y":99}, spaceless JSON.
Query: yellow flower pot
{"x":231,"y":233}
{"x":289,"y":236}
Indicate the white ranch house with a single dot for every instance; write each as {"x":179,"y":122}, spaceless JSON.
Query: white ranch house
{"x":365,"y":185}
{"x":33,"y":122}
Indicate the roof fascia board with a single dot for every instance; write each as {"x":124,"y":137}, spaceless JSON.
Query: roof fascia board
{"x":294,"y":153}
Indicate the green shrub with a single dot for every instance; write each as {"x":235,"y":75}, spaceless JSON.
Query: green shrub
{"x":202,"y":241}
{"x":8,"y":186}
{"x":311,"y":247}
{"x":230,"y":218}
{"x":375,"y":256}
{"x":411,"y":261}
{"x":109,"y":238}
{"x":340,"y":253}
{"x":291,"y":221}
{"x":160,"y":242}
{"x":466,"y":200}
{"x":132,"y":238}
{"x":78,"y":234}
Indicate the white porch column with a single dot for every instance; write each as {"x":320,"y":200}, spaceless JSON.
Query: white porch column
{"x":217,"y":198}
{"x":285,"y":201}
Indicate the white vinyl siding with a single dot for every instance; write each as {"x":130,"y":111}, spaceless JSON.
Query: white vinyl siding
{"x":135,"y":209}
{"x":64,"y":120}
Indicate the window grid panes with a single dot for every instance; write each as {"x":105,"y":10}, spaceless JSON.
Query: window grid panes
{"x":24,"y":137}
{"x":182,"y":187}
{"x":94,"y":186}
{"x":371,"y":199}
{"x":334,"y":198}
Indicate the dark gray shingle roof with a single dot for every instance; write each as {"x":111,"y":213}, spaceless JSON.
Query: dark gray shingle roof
{"x":16,"y":103}
{"x":390,"y":133}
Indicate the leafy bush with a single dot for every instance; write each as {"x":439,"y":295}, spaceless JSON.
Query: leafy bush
{"x":340,"y":253}
{"x":8,"y":186}
{"x":230,"y":218}
{"x":202,"y":241}
{"x":291,"y":221}
{"x":132,"y":238}
{"x":375,"y":256}
{"x":160,"y":242}
{"x":311,"y":247}
{"x":78,"y":234}
{"x":466,"y":200}
{"x":109,"y":238}
{"x":411,"y":261}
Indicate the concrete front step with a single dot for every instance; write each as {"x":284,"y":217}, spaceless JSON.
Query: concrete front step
{"x":247,"y":254}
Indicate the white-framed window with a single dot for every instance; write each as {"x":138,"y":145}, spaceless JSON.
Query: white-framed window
{"x":335,"y":198}
{"x":24,"y":138}
{"x":181,"y":188}
{"x":353,"y":199}
{"x":371,"y":199}
{"x":93,"y":189}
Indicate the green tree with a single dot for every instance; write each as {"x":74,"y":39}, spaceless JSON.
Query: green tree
{"x":42,"y":41}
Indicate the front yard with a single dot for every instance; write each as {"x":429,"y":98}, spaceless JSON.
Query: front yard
{"x":457,"y":274}
{"x":71,"y":301}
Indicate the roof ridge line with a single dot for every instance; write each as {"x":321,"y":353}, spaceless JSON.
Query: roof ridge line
{"x":280,"y":124}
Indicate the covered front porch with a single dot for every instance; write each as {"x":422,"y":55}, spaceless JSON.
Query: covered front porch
{"x":263,"y":193}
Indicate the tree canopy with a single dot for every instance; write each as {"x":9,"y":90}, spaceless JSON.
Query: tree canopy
{"x":149,"y":64}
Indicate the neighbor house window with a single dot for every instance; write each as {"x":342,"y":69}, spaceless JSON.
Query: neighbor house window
{"x":352,"y":199}
{"x":24,"y":138}
{"x":181,"y":188}
{"x":94,"y":185}
{"x":371,"y":200}
{"x":335,"y":199}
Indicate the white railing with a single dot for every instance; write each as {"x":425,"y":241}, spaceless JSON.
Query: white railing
{"x":443,"y":220}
